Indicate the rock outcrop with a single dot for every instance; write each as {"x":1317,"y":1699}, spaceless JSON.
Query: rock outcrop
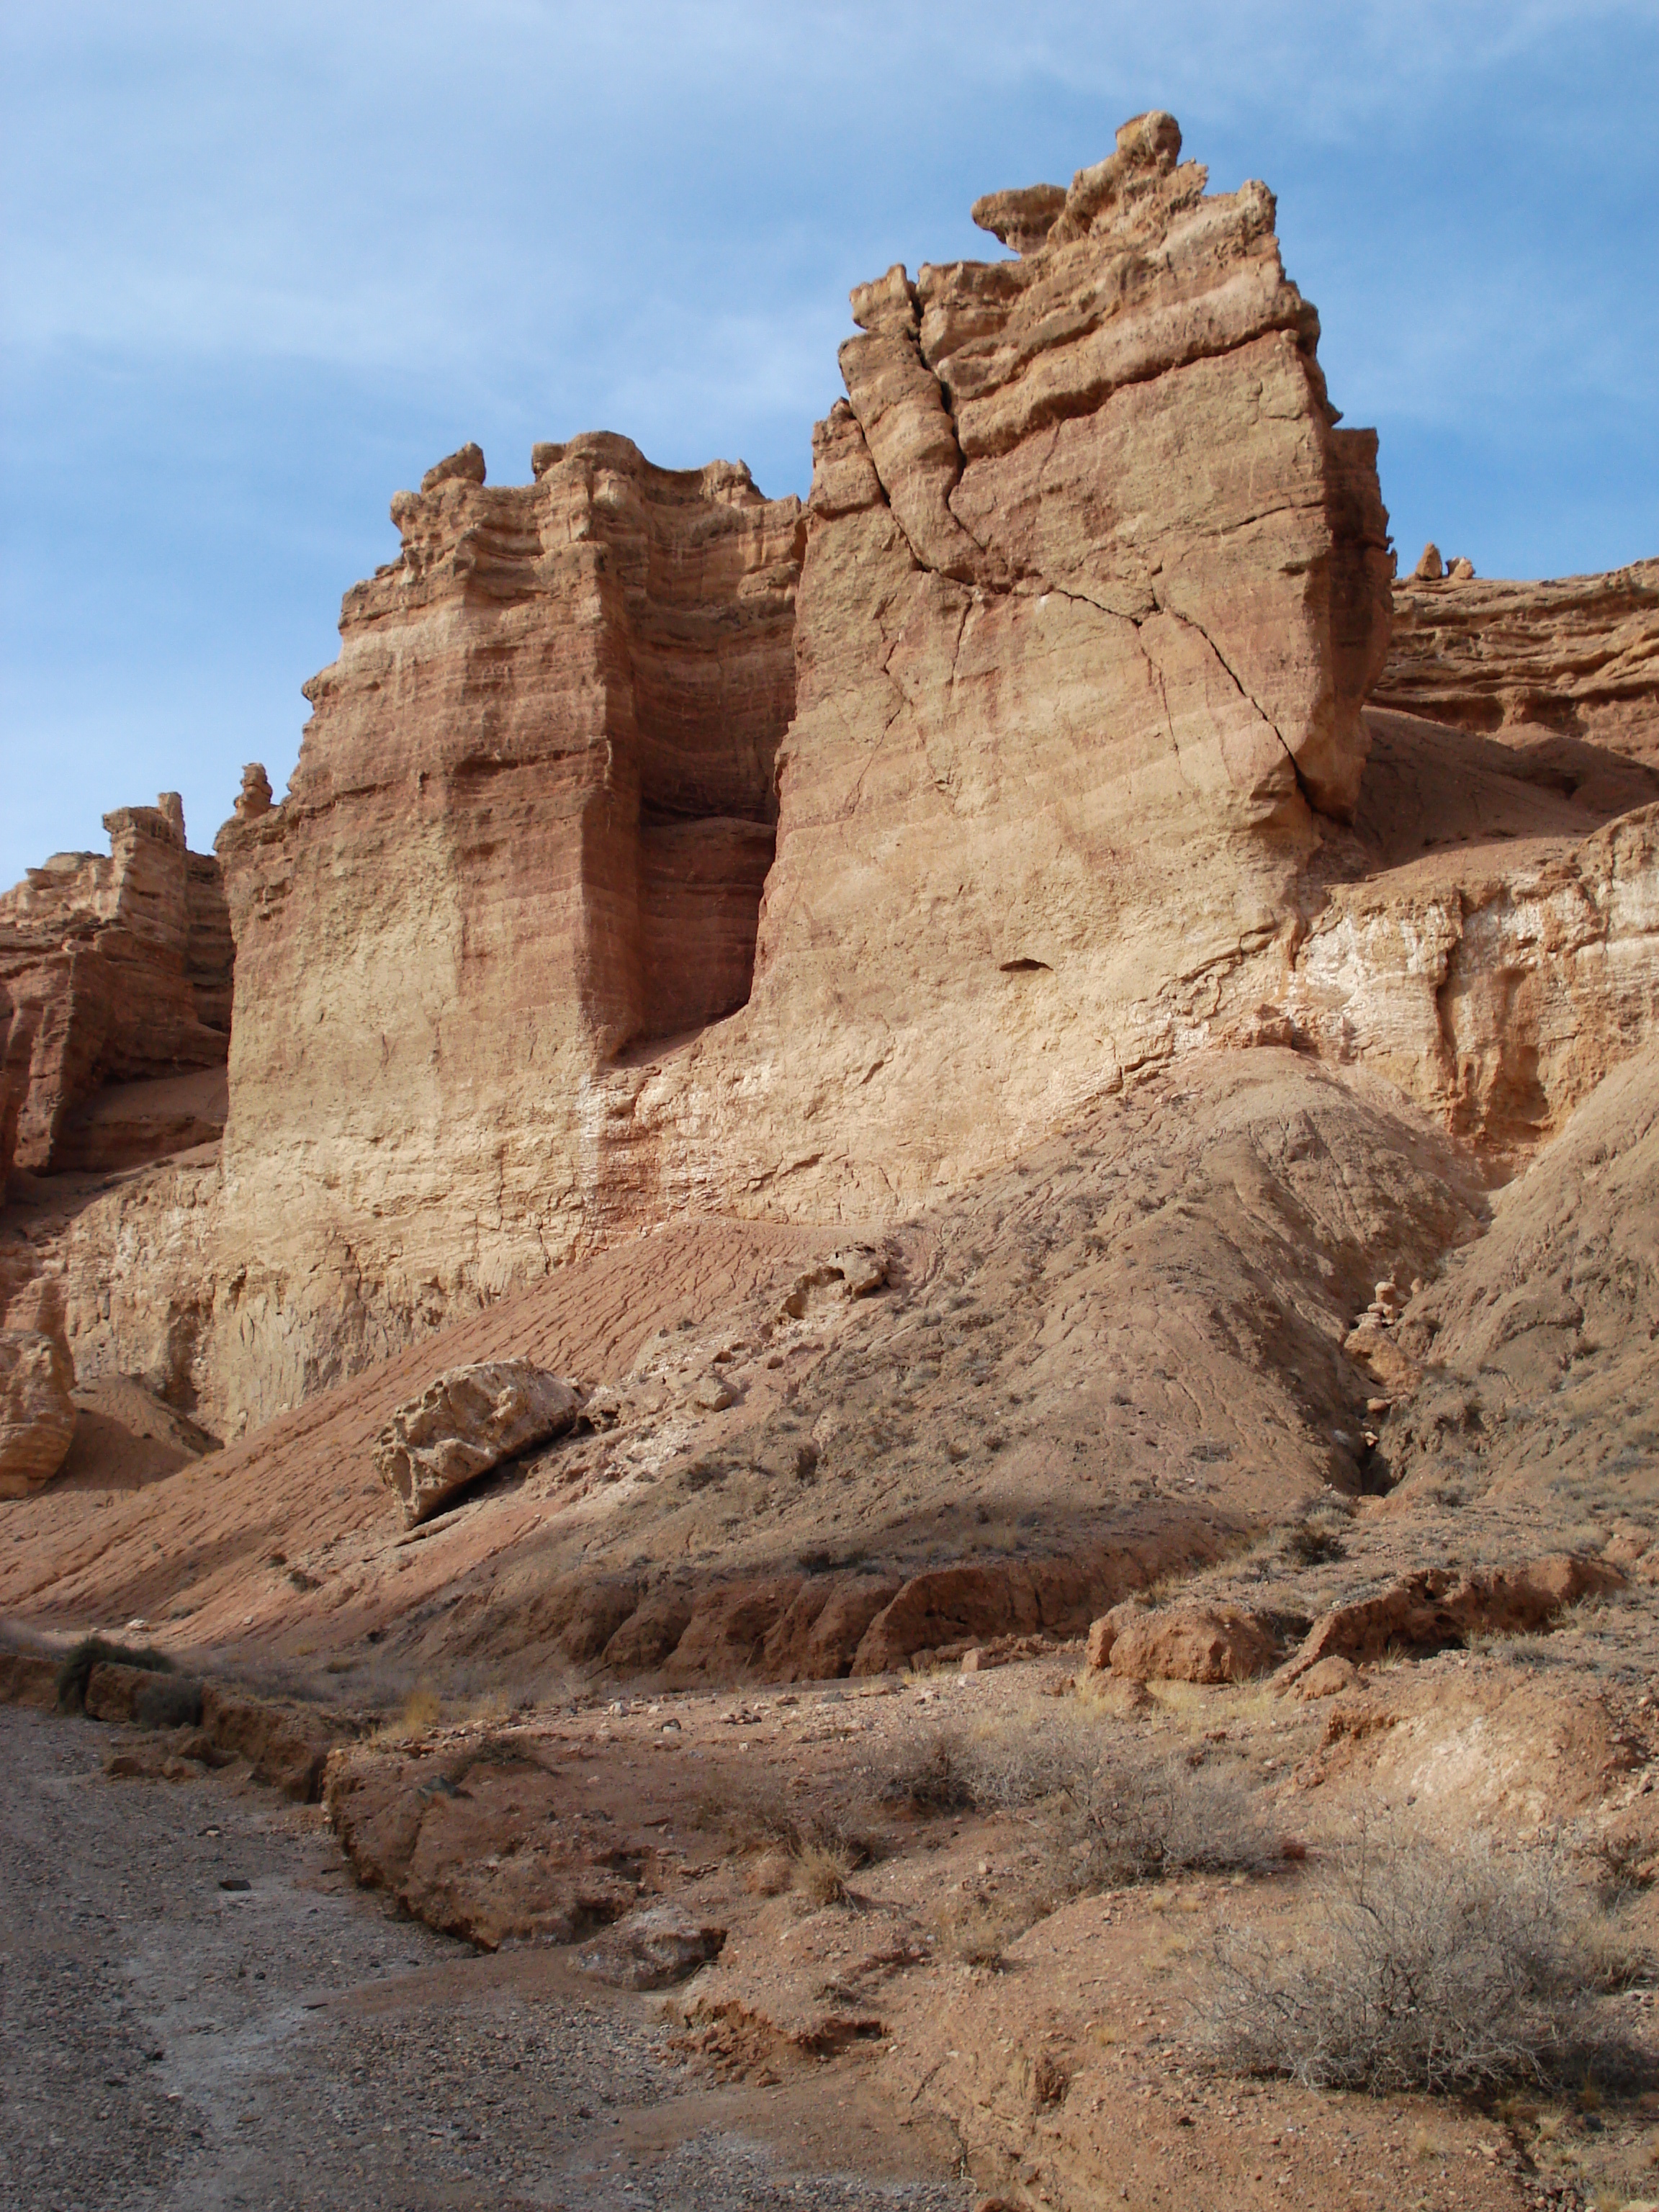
{"x":1093,"y":590}
{"x":115,"y":1001}
{"x":658,"y":849}
{"x":1576,"y":657}
{"x":533,"y":815}
{"x":1186,"y":1643}
{"x":1438,"y":1609}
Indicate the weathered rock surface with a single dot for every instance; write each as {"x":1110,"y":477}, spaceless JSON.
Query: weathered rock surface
{"x":489,"y":1848}
{"x":37,"y":1411}
{"x":1193,"y":1644}
{"x":115,"y":976}
{"x":532,"y":814}
{"x":1440,"y":1607}
{"x":1539,"y":1345}
{"x":1577,"y":657}
{"x":1093,"y":592}
{"x":653,"y":1948}
{"x":1093,"y":589}
{"x":465,"y":1422}
{"x":1105,"y":1365}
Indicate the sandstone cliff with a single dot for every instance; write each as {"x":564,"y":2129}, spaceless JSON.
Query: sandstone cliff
{"x":115,"y":984}
{"x":528,"y":831}
{"x":657,"y":849}
{"x":1093,"y":592}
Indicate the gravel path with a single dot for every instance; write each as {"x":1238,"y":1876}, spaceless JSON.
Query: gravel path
{"x":167,"y":2041}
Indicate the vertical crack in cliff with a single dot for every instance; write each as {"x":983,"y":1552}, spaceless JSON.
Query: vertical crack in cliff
{"x":1249,"y":697}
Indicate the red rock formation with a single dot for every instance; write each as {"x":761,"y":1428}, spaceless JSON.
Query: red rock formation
{"x":567,"y":929}
{"x":115,"y":975}
{"x":1575,"y":658}
{"x":528,"y":831}
{"x":1093,"y":593}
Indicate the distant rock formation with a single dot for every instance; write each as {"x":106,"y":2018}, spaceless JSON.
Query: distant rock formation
{"x":1578,"y":656}
{"x":115,"y":983}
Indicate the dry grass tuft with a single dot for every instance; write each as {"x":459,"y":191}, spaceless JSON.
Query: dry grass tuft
{"x":422,"y":1710}
{"x":821,"y":1871}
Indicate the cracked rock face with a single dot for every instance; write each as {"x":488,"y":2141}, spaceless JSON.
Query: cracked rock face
{"x":658,"y":848}
{"x":1093,"y":591}
{"x":565,"y":925}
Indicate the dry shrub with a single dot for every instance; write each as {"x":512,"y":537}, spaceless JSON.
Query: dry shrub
{"x":91,"y":1651}
{"x":170,"y":1701}
{"x":1133,"y":1813}
{"x":1427,"y":1966}
{"x":976,"y":1930}
{"x":1312,"y":1543}
{"x":821,"y":1871}
{"x":931,"y":1776}
{"x":761,"y":1817}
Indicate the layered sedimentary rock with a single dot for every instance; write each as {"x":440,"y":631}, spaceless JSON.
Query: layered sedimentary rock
{"x":1093,"y":593}
{"x":532,"y":817}
{"x":115,"y":977}
{"x":1576,"y":657}
{"x":658,"y":849}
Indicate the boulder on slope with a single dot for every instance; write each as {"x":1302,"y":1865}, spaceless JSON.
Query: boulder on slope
{"x":466,"y":1422}
{"x":1193,"y":1644}
{"x":37,"y":1410}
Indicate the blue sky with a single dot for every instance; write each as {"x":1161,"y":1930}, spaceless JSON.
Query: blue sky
{"x":261,"y":267}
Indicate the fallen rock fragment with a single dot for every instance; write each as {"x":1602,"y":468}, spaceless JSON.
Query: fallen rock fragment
{"x":652,"y":1950}
{"x":863,"y":1269}
{"x":1327,"y":1678}
{"x":37,"y":1410}
{"x":1193,"y":1643}
{"x":466,"y":1422}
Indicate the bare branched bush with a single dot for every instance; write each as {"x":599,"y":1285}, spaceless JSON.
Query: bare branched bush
{"x":1136,"y":1814}
{"x":1121,"y":1811}
{"x":930,"y":1777}
{"x":1427,"y":1966}
{"x":761,"y":1817}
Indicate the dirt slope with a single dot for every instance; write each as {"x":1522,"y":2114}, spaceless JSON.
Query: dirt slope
{"x":1117,"y":1359}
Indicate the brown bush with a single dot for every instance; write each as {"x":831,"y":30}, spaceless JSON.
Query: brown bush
{"x":1134,"y":1813}
{"x":1427,"y":1967}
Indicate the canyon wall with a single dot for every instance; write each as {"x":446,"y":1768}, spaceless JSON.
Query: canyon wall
{"x":1093,"y":591}
{"x":657,"y":849}
{"x":115,"y":1001}
{"x":1576,"y":657}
